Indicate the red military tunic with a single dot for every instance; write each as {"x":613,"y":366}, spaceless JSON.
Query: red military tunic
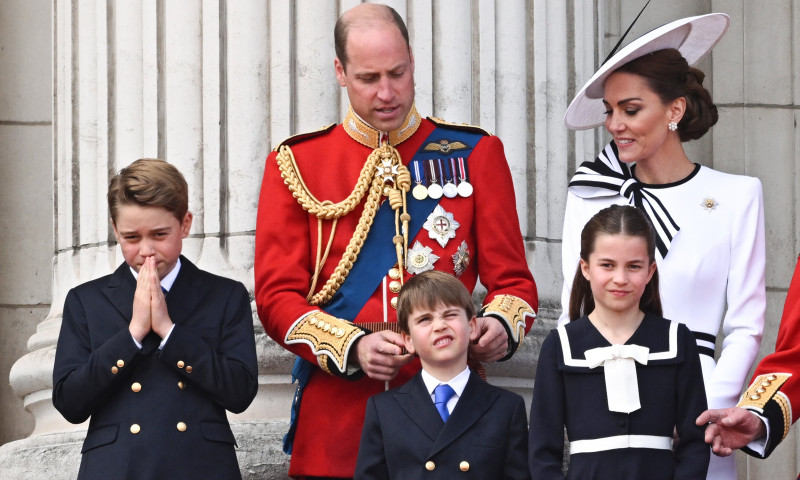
{"x":330,"y":162}
{"x":774,"y":392}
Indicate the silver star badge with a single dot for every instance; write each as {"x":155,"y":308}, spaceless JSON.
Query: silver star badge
{"x":420,"y":259}
{"x":461,"y":259}
{"x":709,"y":204}
{"x":441,"y":226}
{"x":387,"y":170}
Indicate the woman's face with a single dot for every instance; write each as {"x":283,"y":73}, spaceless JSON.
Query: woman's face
{"x":636,"y":117}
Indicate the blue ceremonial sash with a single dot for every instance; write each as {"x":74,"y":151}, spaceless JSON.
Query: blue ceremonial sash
{"x":377,"y":256}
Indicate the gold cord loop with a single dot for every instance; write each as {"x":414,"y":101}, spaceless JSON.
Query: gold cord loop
{"x":383,"y":174}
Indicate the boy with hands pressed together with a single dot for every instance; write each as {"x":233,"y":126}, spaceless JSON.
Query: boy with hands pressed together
{"x":156,"y":352}
{"x":446,"y":420}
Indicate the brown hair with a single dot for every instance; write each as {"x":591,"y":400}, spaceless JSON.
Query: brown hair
{"x":428,"y":290}
{"x":373,"y":13}
{"x":669,"y":75}
{"x":149,"y":182}
{"x":614,"y":220}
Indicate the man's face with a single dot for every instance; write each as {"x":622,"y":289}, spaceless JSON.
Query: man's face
{"x":379,"y":75}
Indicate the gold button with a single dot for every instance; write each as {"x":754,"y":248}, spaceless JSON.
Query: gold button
{"x":394,"y":286}
{"x":120,"y":363}
{"x":180,"y":364}
{"x":188,"y":369}
{"x":464,"y":466}
{"x":393,"y":302}
{"x":429,"y":466}
{"x":135,"y":428}
{"x":760,"y":390}
{"x":766,"y":384}
{"x":394,"y":274}
{"x":114,"y":370}
{"x":755,"y":397}
{"x":181,"y":427}
{"x":772,"y":378}
{"x":136,"y":387}
{"x":181,"y":385}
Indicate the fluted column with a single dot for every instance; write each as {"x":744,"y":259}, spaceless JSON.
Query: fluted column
{"x":211,"y":86}
{"x":182,"y":81}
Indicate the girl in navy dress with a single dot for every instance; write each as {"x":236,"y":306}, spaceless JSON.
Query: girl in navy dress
{"x":625,"y":382}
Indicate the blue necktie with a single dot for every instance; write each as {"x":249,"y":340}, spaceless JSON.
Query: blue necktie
{"x":442,"y":394}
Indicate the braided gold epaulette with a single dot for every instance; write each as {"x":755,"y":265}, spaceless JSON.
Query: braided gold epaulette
{"x":328,"y":336}
{"x":765,"y":388}
{"x":459,"y":126}
{"x":513,"y":311}
{"x":297,"y":138}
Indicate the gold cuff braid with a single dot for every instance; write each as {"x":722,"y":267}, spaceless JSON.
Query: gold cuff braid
{"x":327,"y":335}
{"x":513,"y":311}
{"x":765,"y":388}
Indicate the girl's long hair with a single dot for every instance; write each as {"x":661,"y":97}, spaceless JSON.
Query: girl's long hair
{"x":614,"y":220}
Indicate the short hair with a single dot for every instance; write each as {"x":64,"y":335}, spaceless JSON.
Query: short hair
{"x":149,"y":182}
{"x":669,"y":75}
{"x":342,"y":28}
{"x":614,"y":220}
{"x":428,"y":290}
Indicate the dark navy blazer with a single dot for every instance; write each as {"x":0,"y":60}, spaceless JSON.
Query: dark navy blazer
{"x":486,"y":436}
{"x":157,"y":413}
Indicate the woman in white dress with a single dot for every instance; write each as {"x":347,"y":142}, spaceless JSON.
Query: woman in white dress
{"x":710,"y":225}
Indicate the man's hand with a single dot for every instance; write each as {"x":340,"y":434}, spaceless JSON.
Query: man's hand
{"x":731,"y":428}
{"x":379,"y":355}
{"x":492,"y":341}
{"x":140,"y":319}
{"x":159,"y":316}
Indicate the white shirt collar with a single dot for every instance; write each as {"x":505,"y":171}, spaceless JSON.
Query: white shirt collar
{"x":169,"y":279}
{"x":458,"y":383}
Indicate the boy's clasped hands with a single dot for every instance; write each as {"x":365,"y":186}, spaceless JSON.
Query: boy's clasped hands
{"x":149,"y":305}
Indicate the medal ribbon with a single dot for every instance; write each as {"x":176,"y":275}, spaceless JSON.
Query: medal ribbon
{"x":462,"y":170}
{"x":432,"y":166}
{"x":417,"y":177}
{"x":377,"y":254}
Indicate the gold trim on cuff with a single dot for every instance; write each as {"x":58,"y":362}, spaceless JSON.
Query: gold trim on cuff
{"x":327,"y":336}
{"x":513,"y":311}
{"x":765,"y":388}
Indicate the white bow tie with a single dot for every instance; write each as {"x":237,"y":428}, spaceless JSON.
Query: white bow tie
{"x":619,"y":368}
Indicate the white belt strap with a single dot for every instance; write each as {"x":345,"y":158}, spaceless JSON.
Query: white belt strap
{"x":620,"y":441}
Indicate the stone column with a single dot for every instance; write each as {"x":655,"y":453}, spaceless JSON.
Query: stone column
{"x":187,"y":83}
{"x":211,"y":86}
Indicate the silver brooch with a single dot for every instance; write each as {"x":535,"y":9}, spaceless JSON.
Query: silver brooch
{"x":709,"y":204}
{"x":420,"y":259}
{"x":461,"y":259}
{"x":440,"y":225}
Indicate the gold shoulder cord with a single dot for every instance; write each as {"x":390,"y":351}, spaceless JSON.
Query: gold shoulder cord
{"x":382,"y":174}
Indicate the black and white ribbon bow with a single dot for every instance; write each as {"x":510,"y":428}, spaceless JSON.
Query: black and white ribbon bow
{"x":606,"y":176}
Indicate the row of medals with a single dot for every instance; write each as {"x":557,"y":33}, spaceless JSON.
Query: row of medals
{"x":435,"y":178}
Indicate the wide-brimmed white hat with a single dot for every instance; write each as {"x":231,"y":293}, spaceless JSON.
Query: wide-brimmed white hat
{"x":694,"y":37}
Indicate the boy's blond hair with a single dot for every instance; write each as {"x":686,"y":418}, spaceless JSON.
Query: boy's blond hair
{"x":149,"y":182}
{"x":428,"y":290}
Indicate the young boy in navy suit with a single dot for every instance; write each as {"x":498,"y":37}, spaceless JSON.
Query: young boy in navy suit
{"x":445,"y":422}
{"x":157,"y":351}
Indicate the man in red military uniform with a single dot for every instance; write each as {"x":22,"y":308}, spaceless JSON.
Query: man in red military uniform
{"x":761,"y":419}
{"x":347,"y":213}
